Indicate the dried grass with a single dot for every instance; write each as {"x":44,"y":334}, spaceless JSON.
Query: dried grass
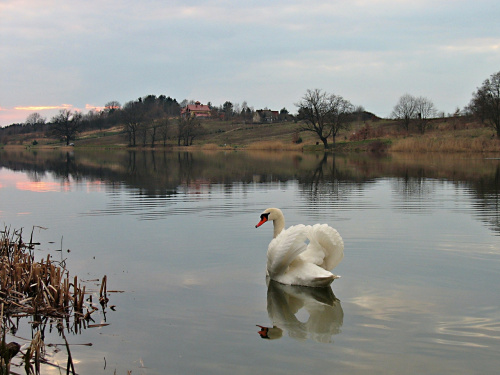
{"x":274,"y":146}
{"x":42,"y":291}
{"x":479,"y":144}
{"x":210,"y":147}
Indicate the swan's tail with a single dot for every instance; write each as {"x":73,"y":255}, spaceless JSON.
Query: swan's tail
{"x":322,"y":281}
{"x":326,"y":247}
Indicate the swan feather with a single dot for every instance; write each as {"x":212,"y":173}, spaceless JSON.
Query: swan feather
{"x":285,"y":248}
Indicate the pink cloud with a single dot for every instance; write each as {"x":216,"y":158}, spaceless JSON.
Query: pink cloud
{"x":18,"y":114}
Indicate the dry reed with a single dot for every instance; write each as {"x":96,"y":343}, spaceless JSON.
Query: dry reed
{"x":274,"y":146}
{"x":43,"y":291}
{"x":425,"y":144}
{"x":210,"y":147}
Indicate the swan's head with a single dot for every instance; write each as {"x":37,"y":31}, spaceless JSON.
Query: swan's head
{"x":270,"y":333}
{"x":270,"y":214}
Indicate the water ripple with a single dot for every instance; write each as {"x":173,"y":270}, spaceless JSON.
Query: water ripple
{"x":469,"y":331}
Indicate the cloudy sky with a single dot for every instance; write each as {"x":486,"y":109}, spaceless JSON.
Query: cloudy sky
{"x":83,"y":54}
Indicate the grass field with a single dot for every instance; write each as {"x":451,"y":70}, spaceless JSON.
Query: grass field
{"x":379,"y":135}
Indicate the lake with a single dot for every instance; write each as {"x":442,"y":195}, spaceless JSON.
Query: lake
{"x":175,"y":234}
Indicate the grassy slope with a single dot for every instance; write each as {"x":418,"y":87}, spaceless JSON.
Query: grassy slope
{"x":448,"y":134}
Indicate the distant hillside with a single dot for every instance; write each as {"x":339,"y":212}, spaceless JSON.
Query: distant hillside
{"x":367,"y":132}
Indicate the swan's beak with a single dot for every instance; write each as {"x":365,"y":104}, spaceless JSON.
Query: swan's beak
{"x":262,"y":221}
{"x":263,"y":332}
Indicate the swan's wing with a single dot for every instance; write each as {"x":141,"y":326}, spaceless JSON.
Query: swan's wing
{"x":284,"y":249}
{"x":326,"y":247}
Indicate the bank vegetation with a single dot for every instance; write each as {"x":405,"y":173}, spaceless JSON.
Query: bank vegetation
{"x":42,"y":292}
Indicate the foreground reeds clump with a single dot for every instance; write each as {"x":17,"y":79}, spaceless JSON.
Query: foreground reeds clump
{"x":44,"y":292}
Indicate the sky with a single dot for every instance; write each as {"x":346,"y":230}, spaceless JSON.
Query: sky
{"x":80,"y":55}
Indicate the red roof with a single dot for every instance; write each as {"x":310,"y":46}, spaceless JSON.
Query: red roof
{"x":197,"y":109}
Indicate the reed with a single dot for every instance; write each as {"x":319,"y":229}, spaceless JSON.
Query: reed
{"x":274,"y":146}
{"x":209,"y":146}
{"x":446,"y":144}
{"x":40,"y":290}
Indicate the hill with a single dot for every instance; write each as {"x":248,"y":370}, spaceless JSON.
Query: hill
{"x":367,"y":133}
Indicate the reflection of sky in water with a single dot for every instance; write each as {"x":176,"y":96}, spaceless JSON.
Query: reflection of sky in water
{"x":418,"y":291}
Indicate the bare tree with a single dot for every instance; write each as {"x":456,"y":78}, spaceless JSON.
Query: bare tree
{"x":324,"y":114}
{"x":143,"y":131}
{"x":66,"y":125}
{"x":163,"y":130}
{"x":155,"y":115}
{"x":341,"y":114}
{"x":35,"y":120}
{"x":189,"y":127}
{"x":485,"y":102}
{"x":425,"y":110}
{"x":405,"y":110}
{"x":133,"y":116}
{"x":112,"y":106}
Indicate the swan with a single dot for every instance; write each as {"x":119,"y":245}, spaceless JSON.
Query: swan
{"x":293,"y":261}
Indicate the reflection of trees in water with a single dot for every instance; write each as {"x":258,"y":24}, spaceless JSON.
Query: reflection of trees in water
{"x":486,"y":191}
{"x":412,"y":193}
{"x":330,"y":184}
{"x":322,"y":177}
{"x":334,"y":180}
{"x":411,"y":187}
{"x":414,"y":188}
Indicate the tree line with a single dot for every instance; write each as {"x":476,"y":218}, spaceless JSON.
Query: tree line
{"x":144,"y":121}
{"x":325,"y":114}
{"x":152,"y":119}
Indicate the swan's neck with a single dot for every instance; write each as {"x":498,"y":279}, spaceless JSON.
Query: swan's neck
{"x":279,"y":225}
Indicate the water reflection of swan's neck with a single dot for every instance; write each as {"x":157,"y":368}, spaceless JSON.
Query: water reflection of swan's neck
{"x":285,"y":301}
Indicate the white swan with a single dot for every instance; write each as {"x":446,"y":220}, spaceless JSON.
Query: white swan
{"x":293,"y":261}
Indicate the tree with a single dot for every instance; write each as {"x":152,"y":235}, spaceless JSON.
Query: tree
{"x":169,"y":105}
{"x":164,"y":129}
{"x":154,"y":119}
{"x":143,"y":131}
{"x":341,"y":114}
{"x":188,"y":128}
{"x":35,"y":120}
{"x":324,"y":114}
{"x":112,"y":106}
{"x":66,"y":125}
{"x":227,"y":108}
{"x":485,"y":102}
{"x":283,"y":116}
{"x":425,"y":110}
{"x":94,"y":119}
{"x":405,"y":110}
{"x":133,"y":116}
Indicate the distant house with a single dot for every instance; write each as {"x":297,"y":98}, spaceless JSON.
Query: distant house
{"x":266,"y":115}
{"x":197,"y":109}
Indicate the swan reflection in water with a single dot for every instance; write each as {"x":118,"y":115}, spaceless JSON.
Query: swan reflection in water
{"x":285,"y":301}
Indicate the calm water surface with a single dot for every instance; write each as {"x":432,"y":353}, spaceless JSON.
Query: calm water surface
{"x":176,"y":233}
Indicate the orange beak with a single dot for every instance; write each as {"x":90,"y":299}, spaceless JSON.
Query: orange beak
{"x":263,"y":332}
{"x":262,"y":221}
